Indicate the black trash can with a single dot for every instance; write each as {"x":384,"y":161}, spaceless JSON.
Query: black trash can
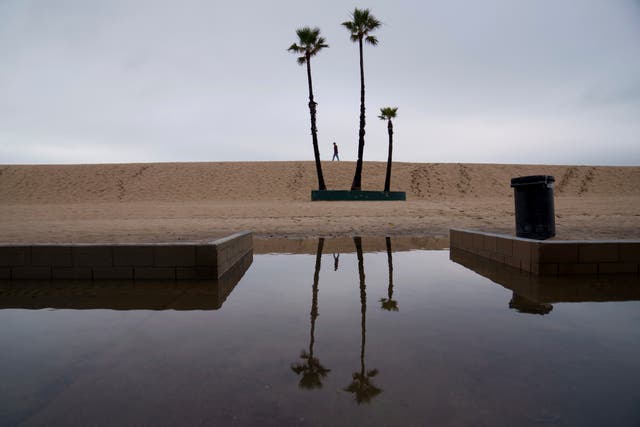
{"x":535,"y":216}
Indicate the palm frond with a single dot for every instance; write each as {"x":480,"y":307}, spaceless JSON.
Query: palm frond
{"x":372,"y":40}
{"x":372,"y":23}
{"x":309,"y":42}
{"x":307,"y":35}
{"x":361,"y":24}
{"x":387,"y":113}
{"x":302,"y":60}
{"x":317,"y":49}
{"x":348,"y":25}
{"x":360,"y":15}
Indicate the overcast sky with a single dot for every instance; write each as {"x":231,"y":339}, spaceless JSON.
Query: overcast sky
{"x":505,"y":81}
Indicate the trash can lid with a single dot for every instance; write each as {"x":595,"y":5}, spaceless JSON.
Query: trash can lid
{"x":532,"y":180}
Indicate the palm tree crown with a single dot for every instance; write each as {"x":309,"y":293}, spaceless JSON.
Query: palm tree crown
{"x":310,"y":43}
{"x":388,"y":113}
{"x":363,"y":23}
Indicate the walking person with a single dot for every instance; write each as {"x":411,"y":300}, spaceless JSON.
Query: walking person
{"x":335,"y":152}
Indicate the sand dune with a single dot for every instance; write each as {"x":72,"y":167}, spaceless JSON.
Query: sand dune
{"x":191,"y":201}
{"x":289,"y":181}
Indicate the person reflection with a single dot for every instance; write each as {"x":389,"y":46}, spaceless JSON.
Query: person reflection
{"x":310,"y":370}
{"x":336,"y":258}
{"x":361,"y":385}
{"x":388,"y":303}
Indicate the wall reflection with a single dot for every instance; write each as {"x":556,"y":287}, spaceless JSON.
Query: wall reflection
{"x":124,"y":295}
{"x":536,"y":294}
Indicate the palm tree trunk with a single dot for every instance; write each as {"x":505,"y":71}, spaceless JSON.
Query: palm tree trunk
{"x":387,"y":179}
{"x":390,"y":265}
{"x":357,"y":178}
{"x":314,"y":130}
{"x":314,"y":299}
{"x":363,"y":300}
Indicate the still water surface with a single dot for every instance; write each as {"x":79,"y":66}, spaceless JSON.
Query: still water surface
{"x":310,"y":339}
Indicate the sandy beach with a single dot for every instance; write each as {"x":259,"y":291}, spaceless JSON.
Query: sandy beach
{"x":160,"y":202}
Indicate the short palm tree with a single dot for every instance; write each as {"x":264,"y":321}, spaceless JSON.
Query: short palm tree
{"x":362,"y":24}
{"x":389,"y":304}
{"x":309,"y":44}
{"x":388,"y":113}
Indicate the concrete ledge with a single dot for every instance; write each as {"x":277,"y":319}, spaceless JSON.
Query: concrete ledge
{"x":51,"y":256}
{"x":113,"y":273}
{"x":553,"y":257}
{"x":15,"y":255}
{"x":161,"y":261}
{"x":229,"y":250}
{"x":92,"y":255}
{"x":154,"y":273}
{"x":134,"y":255}
{"x":30,"y":272}
{"x":72,"y":273}
{"x":174,"y":255}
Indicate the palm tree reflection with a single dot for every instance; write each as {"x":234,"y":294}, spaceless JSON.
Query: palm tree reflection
{"x":388,"y":303}
{"x":361,"y":384}
{"x":311,"y":371}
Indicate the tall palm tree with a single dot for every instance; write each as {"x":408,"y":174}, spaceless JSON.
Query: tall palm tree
{"x":362,"y":24}
{"x":389,"y":304}
{"x":311,"y":370}
{"x":362,"y":385}
{"x":309,"y":44}
{"x":388,"y":113}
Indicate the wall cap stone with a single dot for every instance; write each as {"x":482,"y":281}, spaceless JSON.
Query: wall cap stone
{"x":545,"y":242}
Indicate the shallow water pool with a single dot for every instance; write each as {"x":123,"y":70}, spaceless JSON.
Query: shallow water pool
{"x":325,"y":338}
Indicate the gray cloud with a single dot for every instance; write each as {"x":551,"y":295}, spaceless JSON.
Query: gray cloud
{"x":496,"y":81}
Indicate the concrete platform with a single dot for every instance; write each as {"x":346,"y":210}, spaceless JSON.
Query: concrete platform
{"x":147,"y":261}
{"x":356,"y":195}
{"x":551,"y":257}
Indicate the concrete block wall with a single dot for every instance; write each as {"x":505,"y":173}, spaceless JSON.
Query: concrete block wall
{"x":554,"y":257}
{"x":229,"y":251}
{"x":170,"y":261}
